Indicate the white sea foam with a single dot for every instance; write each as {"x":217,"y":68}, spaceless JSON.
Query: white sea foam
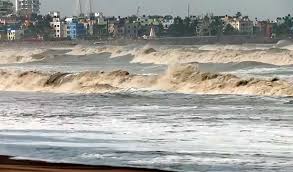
{"x":21,"y":55}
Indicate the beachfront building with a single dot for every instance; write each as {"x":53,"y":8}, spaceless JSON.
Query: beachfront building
{"x":241,"y":24}
{"x":264,"y":28}
{"x":6,"y":7}
{"x":131,"y":30}
{"x":203,"y":27}
{"x":116,"y":27}
{"x":75,"y":30}
{"x":14,"y":34}
{"x":98,"y":26}
{"x":27,"y":7}
{"x":57,"y":24}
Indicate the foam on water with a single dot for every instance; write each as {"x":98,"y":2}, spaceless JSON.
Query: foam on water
{"x":164,"y":131}
{"x":141,"y":120}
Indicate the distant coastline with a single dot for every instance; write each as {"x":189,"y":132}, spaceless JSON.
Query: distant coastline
{"x":237,"y":39}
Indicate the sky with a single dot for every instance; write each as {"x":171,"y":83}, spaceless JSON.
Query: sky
{"x":254,"y":8}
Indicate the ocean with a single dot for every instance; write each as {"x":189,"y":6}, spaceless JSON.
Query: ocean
{"x":178,"y":108}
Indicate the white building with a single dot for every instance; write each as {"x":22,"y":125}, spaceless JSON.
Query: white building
{"x":100,"y":19}
{"x":27,"y":7}
{"x":13,"y":34}
{"x":242,"y":24}
{"x":57,"y":25}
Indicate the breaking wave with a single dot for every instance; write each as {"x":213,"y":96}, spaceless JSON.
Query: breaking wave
{"x":204,"y":54}
{"x":184,"y":55}
{"x":22,"y":55}
{"x":115,"y":51}
{"x":178,"y":78}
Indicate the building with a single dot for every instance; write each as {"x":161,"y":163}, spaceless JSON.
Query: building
{"x":264,"y":28}
{"x":9,"y":20}
{"x":27,"y":7}
{"x":279,"y":21}
{"x":241,"y":24}
{"x":57,"y":25}
{"x":3,"y":33}
{"x":116,"y":27}
{"x":203,"y":26}
{"x":14,"y":34}
{"x":100,"y":28}
{"x":6,"y":7}
{"x":131,"y":30}
{"x":64,"y":30}
{"x":75,"y":30}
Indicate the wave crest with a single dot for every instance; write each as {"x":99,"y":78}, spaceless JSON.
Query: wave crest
{"x":174,"y":55}
{"x":22,"y":55}
{"x":178,"y":78}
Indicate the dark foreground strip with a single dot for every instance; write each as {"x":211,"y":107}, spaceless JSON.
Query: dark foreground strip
{"x":9,"y":165}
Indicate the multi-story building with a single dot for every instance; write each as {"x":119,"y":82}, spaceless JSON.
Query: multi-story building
{"x":241,"y":24}
{"x":203,"y":26}
{"x":6,"y":7}
{"x":116,"y":27}
{"x":131,"y":30}
{"x":27,"y":7}
{"x":57,"y":24}
{"x":264,"y":28}
{"x":75,"y":30}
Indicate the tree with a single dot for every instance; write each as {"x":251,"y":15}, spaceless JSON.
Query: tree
{"x":238,"y":14}
{"x":216,"y":26}
{"x":132,"y":18}
{"x":183,"y":27}
{"x":285,"y":28}
{"x":177,"y":29}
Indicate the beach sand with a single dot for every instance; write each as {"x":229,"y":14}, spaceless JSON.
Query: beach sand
{"x":9,"y":165}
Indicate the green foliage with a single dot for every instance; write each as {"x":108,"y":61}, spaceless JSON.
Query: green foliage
{"x":216,"y":26}
{"x":285,"y":28}
{"x":132,"y":18}
{"x":41,"y":27}
{"x":183,"y":27}
{"x":238,"y":14}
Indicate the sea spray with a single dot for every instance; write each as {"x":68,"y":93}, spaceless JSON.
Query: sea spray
{"x":178,"y":78}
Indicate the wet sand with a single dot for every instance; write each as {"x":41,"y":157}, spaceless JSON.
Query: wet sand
{"x":9,"y":165}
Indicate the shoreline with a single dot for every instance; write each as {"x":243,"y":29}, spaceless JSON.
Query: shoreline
{"x":193,"y":40}
{"x":7,"y":164}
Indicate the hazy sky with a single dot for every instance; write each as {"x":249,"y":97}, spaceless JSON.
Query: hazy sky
{"x":253,"y":8}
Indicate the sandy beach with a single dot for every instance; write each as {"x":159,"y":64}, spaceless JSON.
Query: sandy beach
{"x":9,"y":165}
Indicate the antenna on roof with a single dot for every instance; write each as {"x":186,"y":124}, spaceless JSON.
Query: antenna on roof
{"x":78,"y":7}
{"x":90,"y":3}
{"x":188,"y":10}
{"x":89,"y":7}
{"x":138,"y":11}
